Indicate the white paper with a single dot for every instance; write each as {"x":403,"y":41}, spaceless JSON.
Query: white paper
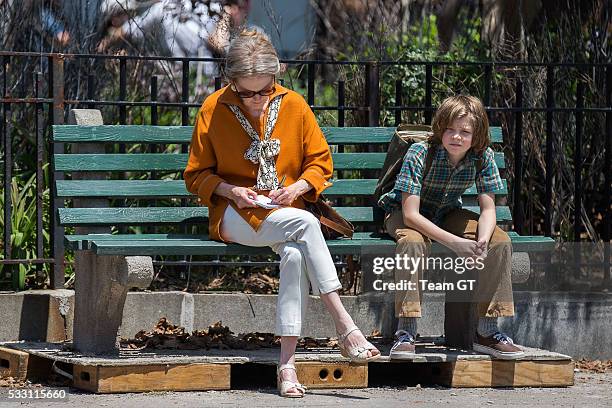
{"x":265,"y":202}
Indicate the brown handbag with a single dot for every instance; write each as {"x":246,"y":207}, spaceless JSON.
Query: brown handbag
{"x":333,"y":225}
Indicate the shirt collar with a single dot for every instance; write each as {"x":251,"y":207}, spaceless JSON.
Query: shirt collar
{"x":442,"y":154}
{"x":229,"y":97}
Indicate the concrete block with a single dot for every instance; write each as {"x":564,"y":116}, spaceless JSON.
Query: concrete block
{"x":85,"y":117}
{"x":38,"y":315}
{"x":373,"y":311}
{"x":142,"y":311}
{"x":578,"y":324}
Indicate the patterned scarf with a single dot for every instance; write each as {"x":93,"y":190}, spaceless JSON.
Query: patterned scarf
{"x":263,"y":151}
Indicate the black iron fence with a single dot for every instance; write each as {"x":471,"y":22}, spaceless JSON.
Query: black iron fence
{"x":39,"y":90}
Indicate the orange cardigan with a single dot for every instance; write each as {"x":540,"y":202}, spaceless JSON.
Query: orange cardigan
{"x":218,"y":144}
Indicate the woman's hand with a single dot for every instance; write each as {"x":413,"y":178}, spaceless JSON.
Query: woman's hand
{"x":287,"y":195}
{"x":242,"y":196}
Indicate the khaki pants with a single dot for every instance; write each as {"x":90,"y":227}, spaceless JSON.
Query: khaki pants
{"x":494,"y":285}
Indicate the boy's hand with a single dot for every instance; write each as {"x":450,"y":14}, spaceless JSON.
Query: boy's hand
{"x":482,"y":248}
{"x":466,"y":248}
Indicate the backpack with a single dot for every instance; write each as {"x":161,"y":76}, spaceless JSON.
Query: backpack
{"x":404,"y":136}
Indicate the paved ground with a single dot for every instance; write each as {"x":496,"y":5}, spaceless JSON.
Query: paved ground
{"x":590,"y":390}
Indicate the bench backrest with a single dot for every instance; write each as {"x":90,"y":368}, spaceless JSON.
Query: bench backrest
{"x":356,"y":173}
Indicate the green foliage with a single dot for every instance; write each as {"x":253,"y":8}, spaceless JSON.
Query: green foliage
{"x":23,"y":229}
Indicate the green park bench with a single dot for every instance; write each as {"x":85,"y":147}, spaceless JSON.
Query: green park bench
{"x":107,"y":265}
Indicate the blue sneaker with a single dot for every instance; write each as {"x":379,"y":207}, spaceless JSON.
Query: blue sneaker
{"x":403,"y":348}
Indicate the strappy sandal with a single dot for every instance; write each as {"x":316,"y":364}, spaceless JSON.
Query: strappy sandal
{"x":357,"y":354}
{"x":286,"y":385}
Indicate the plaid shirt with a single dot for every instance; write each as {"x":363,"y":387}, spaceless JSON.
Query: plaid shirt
{"x":441,"y":191}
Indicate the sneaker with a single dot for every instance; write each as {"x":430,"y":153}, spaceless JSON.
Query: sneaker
{"x":498,"y":345}
{"x":403,"y":348}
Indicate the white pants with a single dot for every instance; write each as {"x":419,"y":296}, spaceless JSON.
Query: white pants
{"x":296,"y":236}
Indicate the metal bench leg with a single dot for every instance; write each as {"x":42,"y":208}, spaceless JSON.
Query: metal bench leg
{"x":101,"y":287}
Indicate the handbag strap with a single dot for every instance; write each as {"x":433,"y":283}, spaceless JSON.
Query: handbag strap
{"x":336,"y":227}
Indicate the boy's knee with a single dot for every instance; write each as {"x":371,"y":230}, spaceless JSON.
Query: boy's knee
{"x":408,"y":235}
{"x":500,"y":238}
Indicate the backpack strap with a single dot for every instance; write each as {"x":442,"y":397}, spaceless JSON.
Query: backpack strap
{"x":429,"y":156}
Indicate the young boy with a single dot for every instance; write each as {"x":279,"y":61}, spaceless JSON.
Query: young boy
{"x":425,"y":205}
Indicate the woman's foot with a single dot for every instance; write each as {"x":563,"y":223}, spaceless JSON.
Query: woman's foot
{"x":288,"y":384}
{"x":355,"y":346}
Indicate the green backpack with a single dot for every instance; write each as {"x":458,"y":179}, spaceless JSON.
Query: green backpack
{"x":403,"y":138}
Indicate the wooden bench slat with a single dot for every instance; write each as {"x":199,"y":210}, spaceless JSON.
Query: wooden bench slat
{"x":182,"y":134}
{"x":122,"y":133}
{"x":202,"y":246}
{"x":176,"y":188}
{"x":174,"y":215}
{"x":178,"y":161}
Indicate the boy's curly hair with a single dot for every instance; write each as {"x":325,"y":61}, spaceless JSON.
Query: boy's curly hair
{"x":459,"y":106}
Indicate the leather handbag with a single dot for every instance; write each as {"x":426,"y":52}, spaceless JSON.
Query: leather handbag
{"x":333,"y":225}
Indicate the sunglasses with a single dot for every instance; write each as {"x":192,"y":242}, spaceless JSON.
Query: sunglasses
{"x":250,"y":94}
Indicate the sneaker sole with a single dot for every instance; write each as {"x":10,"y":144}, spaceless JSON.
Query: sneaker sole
{"x":402,"y":355}
{"x":496,"y":353}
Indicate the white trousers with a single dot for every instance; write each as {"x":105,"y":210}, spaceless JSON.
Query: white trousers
{"x":296,"y":236}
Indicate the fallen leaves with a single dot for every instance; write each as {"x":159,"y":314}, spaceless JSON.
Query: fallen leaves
{"x":165,"y":335}
{"x":259,"y":283}
{"x":168,"y":336}
{"x":13,"y":382}
{"x":596,"y":366}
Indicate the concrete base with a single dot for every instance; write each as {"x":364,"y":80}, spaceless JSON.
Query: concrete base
{"x":39,"y":315}
{"x":579,"y":325}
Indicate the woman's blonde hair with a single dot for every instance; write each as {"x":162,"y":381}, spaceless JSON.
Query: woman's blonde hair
{"x":460,"y":106}
{"x":251,"y":53}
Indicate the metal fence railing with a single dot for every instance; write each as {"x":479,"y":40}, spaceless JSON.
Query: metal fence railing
{"x":39,"y":89}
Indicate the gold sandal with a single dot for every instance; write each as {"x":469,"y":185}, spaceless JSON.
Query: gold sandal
{"x":286,"y":385}
{"x":357,"y":354}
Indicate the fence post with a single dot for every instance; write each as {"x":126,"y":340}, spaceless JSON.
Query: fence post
{"x":398,"y":101}
{"x":373,"y":93}
{"x":310,"y":88}
{"x":608,"y":180}
{"x":578,"y":176}
{"x":518,"y":161}
{"x":550,"y":104}
{"x":40,"y":157}
{"x":56,"y":93}
{"x":428,"y":91}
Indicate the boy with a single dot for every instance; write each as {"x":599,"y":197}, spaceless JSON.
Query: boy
{"x":425,"y":205}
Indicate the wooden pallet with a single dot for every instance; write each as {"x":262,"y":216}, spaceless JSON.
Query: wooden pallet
{"x":151,"y":377}
{"x":22,"y":365}
{"x":188,"y":370}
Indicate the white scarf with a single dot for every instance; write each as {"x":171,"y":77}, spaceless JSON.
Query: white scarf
{"x":263,"y":151}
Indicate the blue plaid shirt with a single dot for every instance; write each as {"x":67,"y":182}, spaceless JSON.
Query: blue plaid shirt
{"x":441,"y":190}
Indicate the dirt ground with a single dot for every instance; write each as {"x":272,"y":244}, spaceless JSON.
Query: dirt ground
{"x":590,"y":390}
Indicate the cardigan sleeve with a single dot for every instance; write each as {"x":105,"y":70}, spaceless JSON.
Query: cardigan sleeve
{"x":317,"y":166}
{"x":200,"y":177}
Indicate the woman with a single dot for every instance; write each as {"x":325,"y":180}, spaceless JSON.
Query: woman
{"x":247,"y":137}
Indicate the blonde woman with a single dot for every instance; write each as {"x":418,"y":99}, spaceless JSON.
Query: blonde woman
{"x":248,"y":137}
